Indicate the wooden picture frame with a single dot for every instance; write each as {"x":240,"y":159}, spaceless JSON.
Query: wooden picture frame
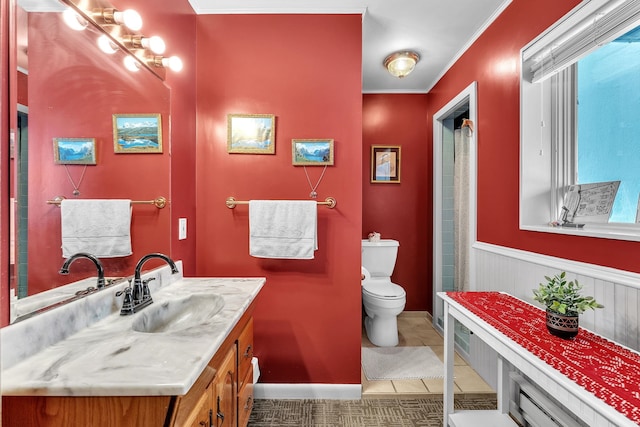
{"x":74,"y":151}
{"x":312,"y":152}
{"x":137,"y":133}
{"x":251,"y":133}
{"x":385,"y":164}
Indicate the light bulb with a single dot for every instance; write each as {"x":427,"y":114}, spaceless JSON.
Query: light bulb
{"x":130,"y":18}
{"x":174,"y":63}
{"x":107,"y":45}
{"x":155,"y":44}
{"x":73,"y":20}
{"x":131,"y":63}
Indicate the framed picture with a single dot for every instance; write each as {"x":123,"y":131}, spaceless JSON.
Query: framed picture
{"x":312,"y":152}
{"x":385,"y":164}
{"x":137,"y":133}
{"x":251,"y":133}
{"x":74,"y":151}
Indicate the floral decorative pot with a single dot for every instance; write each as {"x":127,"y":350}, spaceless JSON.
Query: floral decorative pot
{"x":563,"y":326}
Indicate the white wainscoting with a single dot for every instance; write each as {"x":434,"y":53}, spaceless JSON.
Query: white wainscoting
{"x":519,"y":272}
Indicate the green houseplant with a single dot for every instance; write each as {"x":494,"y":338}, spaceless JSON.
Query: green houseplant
{"x":564,"y":302}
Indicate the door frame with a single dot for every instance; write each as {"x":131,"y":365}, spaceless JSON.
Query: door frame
{"x":467,"y":96}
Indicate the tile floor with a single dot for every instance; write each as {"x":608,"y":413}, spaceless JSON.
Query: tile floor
{"x":415,"y":329}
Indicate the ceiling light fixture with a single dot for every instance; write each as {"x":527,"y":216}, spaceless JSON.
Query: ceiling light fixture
{"x":400,"y":64}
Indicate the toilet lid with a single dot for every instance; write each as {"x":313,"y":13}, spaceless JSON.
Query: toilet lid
{"x":382,"y":289}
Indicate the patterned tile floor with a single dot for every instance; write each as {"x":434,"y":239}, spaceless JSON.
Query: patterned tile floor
{"x":415,"y":329}
{"x":358,"y":413}
{"x":407,"y":403}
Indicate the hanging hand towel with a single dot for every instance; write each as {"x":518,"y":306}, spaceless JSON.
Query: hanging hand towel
{"x":99,"y":227}
{"x":283,"y":229}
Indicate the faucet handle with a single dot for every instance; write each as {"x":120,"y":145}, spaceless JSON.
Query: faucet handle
{"x":146,"y":293}
{"x":127,"y":301}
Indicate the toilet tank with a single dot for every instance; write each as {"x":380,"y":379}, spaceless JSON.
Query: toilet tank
{"x":379,"y":257}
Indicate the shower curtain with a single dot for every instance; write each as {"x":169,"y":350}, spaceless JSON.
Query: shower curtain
{"x":462,"y":139}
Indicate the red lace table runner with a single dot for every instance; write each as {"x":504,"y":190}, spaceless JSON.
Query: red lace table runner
{"x":602,"y":367}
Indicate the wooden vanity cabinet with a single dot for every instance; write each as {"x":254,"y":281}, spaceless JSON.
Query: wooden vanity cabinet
{"x":213,"y":400}
{"x":245,"y":374}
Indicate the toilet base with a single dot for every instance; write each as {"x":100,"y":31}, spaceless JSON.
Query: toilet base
{"x":382,"y":331}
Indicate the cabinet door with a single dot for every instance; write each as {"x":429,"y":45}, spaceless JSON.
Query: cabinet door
{"x":245,"y":351}
{"x":225,"y":392}
{"x":203,"y":413}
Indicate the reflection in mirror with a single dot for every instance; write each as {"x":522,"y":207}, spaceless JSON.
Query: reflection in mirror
{"x":68,"y":88}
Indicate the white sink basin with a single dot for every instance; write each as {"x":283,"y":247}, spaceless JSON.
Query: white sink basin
{"x":178,"y":314}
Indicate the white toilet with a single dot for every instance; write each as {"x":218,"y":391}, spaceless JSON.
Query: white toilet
{"x":382,"y":299}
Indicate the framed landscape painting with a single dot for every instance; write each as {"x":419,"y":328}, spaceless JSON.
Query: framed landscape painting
{"x":251,"y":133}
{"x":74,"y":151}
{"x":137,"y":133}
{"x":312,"y":152}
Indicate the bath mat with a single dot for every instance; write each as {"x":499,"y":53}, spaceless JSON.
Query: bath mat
{"x":401,"y":363}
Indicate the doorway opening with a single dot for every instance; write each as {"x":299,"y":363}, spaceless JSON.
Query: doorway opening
{"x":454,"y":203}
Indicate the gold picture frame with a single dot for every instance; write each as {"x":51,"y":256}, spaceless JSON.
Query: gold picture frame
{"x":385,"y":164}
{"x":137,"y":133}
{"x":251,"y":133}
{"x":312,"y":152}
{"x":74,"y":151}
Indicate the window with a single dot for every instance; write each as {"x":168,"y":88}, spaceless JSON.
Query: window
{"x":579,"y":96}
{"x":608,"y":126}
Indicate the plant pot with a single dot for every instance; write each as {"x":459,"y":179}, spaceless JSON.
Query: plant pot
{"x":561,"y":325}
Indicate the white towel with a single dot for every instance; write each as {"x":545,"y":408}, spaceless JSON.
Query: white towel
{"x":99,"y":227}
{"x":283,"y":228}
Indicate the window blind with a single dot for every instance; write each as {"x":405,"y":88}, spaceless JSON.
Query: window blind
{"x":594,"y":25}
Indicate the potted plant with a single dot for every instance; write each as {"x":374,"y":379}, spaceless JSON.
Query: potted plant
{"x":564,"y":303}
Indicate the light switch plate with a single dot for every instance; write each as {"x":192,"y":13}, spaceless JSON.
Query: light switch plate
{"x":182,"y":228}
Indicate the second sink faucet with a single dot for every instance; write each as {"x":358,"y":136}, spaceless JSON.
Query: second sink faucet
{"x":65,"y":267}
{"x":139,"y":296}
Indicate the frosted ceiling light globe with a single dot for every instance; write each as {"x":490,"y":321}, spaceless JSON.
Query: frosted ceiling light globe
{"x":400,"y":64}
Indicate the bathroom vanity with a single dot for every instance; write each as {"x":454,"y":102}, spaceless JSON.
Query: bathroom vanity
{"x":185,"y":360}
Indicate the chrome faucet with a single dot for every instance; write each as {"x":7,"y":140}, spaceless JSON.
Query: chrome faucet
{"x":65,"y":267}
{"x":138,"y":296}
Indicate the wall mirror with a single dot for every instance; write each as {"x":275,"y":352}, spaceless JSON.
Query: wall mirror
{"x":578,"y":93}
{"x":68,"y":88}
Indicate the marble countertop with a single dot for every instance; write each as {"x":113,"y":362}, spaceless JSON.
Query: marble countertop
{"x":109,"y":358}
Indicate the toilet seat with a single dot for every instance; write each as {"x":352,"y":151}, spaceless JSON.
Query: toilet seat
{"x":383,"y":289}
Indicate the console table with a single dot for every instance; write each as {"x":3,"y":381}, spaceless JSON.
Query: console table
{"x":594,"y":378}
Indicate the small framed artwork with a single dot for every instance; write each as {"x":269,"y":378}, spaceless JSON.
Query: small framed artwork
{"x":251,"y":133}
{"x":74,"y":151}
{"x":137,"y":133}
{"x":312,"y":152}
{"x":385,"y":164}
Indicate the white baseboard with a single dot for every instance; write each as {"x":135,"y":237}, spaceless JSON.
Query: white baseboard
{"x":308,"y":391}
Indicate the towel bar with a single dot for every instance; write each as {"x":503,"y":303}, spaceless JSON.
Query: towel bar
{"x":158,"y":202}
{"x":231,"y":202}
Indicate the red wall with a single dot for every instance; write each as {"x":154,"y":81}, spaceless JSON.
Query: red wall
{"x":401,"y":211}
{"x":305,"y":69}
{"x":493,"y":62}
